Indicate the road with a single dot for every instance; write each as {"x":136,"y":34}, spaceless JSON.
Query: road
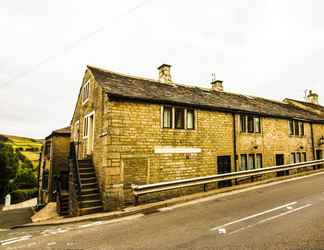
{"x":288,"y":215}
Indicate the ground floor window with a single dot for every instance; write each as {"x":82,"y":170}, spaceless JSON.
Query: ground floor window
{"x":250,"y":161}
{"x":296,"y":157}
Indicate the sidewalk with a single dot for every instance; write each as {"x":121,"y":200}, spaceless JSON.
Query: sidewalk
{"x":179,"y":201}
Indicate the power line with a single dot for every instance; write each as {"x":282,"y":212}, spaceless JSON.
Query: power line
{"x":73,"y":45}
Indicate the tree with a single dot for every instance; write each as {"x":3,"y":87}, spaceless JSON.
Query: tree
{"x":9,"y":163}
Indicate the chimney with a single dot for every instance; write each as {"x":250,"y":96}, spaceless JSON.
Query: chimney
{"x":165,"y":74}
{"x":312,"y":97}
{"x":217,"y":85}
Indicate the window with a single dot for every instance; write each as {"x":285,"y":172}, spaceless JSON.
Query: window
{"x":85,"y":92}
{"x":179,"y":118}
{"x":304,"y":157}
{"x":292,"y":158}
{"x":291,"y":127}
{"x":257,"y":125}
{"x":190,"y":119}
{"x":301,"y":129}
{"x":243,"y":123}
{"x":298,"y":157}
{"x":251,"y":161}
{"x":85,"y":126}
{"x":243,"y":162}
{"x":167,"y":117}
{"x":250,"y":124}
{"x":296,"y":128}
{"x":258,"y":161}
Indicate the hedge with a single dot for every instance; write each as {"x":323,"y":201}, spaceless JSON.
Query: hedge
{"x":20,"y":195}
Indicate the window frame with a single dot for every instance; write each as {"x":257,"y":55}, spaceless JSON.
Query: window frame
{"x":185,"y":111}
{"x":193,"y":118}
{"x":85,"y":93}
{"x":171,"y":116}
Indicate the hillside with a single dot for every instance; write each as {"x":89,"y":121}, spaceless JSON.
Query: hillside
{"x":29,"y":147}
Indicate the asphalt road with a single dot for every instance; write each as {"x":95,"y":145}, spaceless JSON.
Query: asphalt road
{"x":284,"y":216}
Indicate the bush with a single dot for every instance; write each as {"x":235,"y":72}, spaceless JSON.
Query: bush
{"x":20,"y":195}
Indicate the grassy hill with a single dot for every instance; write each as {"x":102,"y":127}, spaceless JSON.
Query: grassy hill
{"x":29,"y":147}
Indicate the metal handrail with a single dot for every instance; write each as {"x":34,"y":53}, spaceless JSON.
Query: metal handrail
{"x":163,"y":186}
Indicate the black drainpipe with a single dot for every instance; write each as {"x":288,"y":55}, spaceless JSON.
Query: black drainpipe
{"x":234,"y":141}
{"x":313,"y":143}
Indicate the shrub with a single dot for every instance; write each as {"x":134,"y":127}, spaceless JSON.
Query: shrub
{"x":20,"y":195}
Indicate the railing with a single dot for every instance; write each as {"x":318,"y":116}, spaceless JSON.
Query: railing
{"x":139,"y":190}
{"x":74,"y":168}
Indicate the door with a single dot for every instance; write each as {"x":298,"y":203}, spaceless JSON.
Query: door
{"x":88,"y":133}
{"x":224,"y":166}
{"x":280,"y":160}
{"x":319,"y":154}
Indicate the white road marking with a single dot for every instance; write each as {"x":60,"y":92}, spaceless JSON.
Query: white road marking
{"x":270,"y":218}
{"x":221,"y":195}
{"x":253,"y":216}
{"x":222,"y":231}
{"x":51,"y":243}
{"x":14,"y":240}
{"x":132,"y":217}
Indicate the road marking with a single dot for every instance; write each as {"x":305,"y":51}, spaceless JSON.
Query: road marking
{"x":14,"y":240}
{"x":253,"y":216}
{"x":270,"y":218}
{"x":238,"y":191}
{"x":131,"y":217}
{"x":51,"y":243}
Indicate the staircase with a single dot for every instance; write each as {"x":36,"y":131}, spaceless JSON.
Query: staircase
{"x":64,"y":203}
{"x":89,"y":198}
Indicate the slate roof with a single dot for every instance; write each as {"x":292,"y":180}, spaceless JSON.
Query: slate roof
{"x":309,"y":105}
{"x":148,"y":90}
{"x":66,"y":131}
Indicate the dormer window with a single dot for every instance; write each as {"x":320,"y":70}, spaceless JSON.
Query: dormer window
{"x":85,"y":92}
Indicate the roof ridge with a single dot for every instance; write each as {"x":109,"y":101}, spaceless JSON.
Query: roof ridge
{"x":304,"y":102}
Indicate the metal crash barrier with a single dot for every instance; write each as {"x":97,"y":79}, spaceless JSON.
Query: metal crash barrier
{"x":139,"y":190}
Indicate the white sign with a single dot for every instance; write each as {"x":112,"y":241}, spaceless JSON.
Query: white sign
{"x":176,"y":150}
{"x":8,"y":200}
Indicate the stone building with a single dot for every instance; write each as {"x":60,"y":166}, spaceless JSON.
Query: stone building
{"x":53,"y":164}
{"x":134,"y":130}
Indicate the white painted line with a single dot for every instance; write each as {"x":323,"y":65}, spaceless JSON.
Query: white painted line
{"x":51,"y":243}
{"x":131,"y":217}
{"x":221,"y":195}
{"x":270,"y":218}
{"x":285,"y":213}
{"x":253,"y":216}
{"x":8,"y":242}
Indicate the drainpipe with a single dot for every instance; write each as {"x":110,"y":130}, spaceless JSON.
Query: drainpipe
{"x":313,"y":143}
{"x":234,"y":142}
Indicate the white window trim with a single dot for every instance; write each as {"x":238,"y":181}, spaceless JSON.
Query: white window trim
{"x":84,"y":118}
{"x":173,"y":118}
{"x":82,"y":92}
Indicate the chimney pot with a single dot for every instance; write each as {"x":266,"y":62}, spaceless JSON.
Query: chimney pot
{"x":312,"y":97}
{"x":217,"y":85}
{"x":165,"y":74}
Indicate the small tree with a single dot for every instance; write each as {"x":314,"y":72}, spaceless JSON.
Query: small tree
{"x":9,"y":163}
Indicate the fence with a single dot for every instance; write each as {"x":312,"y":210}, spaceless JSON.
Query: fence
{"x":139,"y":190}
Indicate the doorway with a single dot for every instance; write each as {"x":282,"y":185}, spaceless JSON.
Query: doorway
{"x":223,"y":167}
{"x":280,"y":160}
{"x":89,"y":133}
{"x":319,"y":154}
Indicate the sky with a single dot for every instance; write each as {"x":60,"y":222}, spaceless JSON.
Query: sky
{"x":273,"y":49}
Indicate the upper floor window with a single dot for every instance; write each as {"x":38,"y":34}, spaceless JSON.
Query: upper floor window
{"x":296,"y":128}
{"x":250,"y":124}
{"x":85,"y":126}
{"x":178,"y":117}
{"x":85,"y":92}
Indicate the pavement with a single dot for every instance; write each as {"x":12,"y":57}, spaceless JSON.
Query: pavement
{"x":288,"y":215}
{"x":11,"y":218}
